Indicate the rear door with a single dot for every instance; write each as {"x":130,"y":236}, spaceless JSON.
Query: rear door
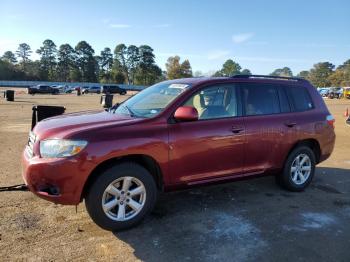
{"x":269,"y":126}
{"x":212,"y":147}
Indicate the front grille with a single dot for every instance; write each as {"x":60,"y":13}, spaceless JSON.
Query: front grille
{"x":30,"y":145}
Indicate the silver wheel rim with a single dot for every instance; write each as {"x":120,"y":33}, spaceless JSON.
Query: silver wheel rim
{"x":124,"y":198}
{"x":300,"y":169}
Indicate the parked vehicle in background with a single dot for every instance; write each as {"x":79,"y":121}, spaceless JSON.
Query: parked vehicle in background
{"x":91,"y":90}
{"x":111,"y":89}
{"x":178,"y":134}
{"x":335,"y":92}
{"x":61,"y":88}
{"x":347,"y":92}
{"x":69,"y":89}
{"x":323,"y":91}
{"x":42,"y":89}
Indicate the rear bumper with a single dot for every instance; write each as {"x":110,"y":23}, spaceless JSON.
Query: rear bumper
{"x":60,"y":181}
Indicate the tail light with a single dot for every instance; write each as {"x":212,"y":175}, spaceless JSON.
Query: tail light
{"x":330,"y":120}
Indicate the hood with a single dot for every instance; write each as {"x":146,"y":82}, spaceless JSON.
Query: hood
{"x":64,"y":125}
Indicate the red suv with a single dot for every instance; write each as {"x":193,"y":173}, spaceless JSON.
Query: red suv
{"x":178,"y":134}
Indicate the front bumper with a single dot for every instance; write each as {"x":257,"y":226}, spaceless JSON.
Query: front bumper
{"x":57,"y":180}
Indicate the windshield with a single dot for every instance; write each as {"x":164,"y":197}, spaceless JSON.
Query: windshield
{"x":151,"y":101}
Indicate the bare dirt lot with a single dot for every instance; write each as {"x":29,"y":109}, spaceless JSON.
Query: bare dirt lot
{"x":250,"y":220}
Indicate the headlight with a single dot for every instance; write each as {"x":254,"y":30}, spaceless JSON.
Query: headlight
{"x":52,"y":148}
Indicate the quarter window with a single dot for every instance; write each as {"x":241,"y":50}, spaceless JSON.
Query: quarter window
{"x":300,"y":98}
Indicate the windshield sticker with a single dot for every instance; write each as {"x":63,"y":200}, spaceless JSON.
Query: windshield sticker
{"x":180,"y":86}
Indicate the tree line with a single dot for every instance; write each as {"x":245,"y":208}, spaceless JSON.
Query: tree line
{"x":323,"y":74}
{"x":126,"y":64}
{"x":132,"y":65}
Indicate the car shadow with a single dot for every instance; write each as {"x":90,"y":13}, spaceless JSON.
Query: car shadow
{"x":229,"y":222}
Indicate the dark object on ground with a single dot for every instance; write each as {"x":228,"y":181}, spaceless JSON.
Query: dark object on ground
{"x":348,"y":120}
{"x":78,"y":91}
{"x":21,"y":187}
{"x":107,"y":101}
{"x":42,"y":112}
{"x":113,"y":90}
{"x":10,"y":95}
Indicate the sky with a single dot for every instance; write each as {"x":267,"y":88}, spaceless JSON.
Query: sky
{"x":259,"y":35}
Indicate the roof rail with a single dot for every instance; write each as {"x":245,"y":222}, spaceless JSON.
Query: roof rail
{"x":270,"y":77}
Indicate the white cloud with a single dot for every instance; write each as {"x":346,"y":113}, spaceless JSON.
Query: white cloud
{"x":120,"y":25}
{"x":13,"y":17}
{"x":217,"y":54}
{"x":241,"y":38}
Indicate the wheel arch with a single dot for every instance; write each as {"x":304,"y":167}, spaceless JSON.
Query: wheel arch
{"x":146,"y":161}
{"x":312,"y":143}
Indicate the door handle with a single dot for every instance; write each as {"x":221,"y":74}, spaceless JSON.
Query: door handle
{"x":290,"y":124}
{"x":237,"y":129}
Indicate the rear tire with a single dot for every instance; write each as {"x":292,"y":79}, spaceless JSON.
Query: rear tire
{"x":121,"y":196}
{"x":298,"y":170}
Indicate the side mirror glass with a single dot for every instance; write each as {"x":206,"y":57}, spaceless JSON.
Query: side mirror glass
{"x":186,"y":113}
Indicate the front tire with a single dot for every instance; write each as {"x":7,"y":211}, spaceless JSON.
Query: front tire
{"x":121,"y":196}
{"x":298,"y":170}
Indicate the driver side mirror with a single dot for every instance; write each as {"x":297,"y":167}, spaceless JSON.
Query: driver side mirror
{"x":186,"y":113}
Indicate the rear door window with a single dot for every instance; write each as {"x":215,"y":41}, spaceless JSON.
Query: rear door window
{"x":300,"y":98}
{"x":260,"y":99}
{"x":284,"y":103}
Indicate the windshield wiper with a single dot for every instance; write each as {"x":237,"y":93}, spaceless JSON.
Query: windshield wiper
{"x":131,"y":113}
{"x":113,"y":108}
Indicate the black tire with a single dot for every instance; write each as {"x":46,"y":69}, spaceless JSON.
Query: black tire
{"x":285,"y":178}
{"x":123,"y":93}
{"x":93,"y":199}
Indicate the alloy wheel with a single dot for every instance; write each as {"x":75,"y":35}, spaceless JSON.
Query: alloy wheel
{"x":124,"y":198}
{"x":300,"y":169}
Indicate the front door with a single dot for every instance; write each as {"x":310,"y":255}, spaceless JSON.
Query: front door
{"x":213,"y":146}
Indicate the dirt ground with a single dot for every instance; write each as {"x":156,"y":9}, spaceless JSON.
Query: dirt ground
{"x":250,"y":220}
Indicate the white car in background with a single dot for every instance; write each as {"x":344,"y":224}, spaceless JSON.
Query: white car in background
{"x":323,"y":91}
